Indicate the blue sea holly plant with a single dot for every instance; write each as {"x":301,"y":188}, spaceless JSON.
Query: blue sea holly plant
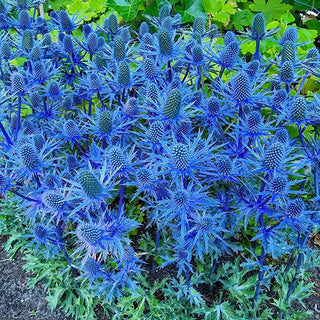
{"x":159,"y":174}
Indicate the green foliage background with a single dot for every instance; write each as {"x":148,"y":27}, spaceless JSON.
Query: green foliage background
{"x":236,"y":15}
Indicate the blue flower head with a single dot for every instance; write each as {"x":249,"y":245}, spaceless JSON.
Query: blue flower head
{"x":172,"y":107}
{"x":258,"y":28}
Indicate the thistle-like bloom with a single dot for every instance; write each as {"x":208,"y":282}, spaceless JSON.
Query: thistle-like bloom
{"x":298,"y":110}
{"x":63,"y":22}
{"x":172,"y":108}
{"x":91,"y":188}
{"x":207,"y":228}
{"x":54,"y":203}
{"x":180,"y":205}
{"x":275,"y":158}
{"x":71,"y":131}
{"x":187,"y":159}
{"x":92,"y":236}
{"x":92,"y":270}
{"x":296,"y":215}
{"x":258,"y":28}
{"x":42,"y":234}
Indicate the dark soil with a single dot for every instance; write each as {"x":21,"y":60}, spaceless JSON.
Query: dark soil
{"x":16,"y":300}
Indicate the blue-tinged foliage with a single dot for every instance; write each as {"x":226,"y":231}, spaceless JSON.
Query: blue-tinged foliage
{"x":172,"y":136}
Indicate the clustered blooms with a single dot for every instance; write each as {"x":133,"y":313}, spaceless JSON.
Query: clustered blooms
{"x":191,"y":129}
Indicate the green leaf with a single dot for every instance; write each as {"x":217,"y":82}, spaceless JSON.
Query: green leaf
{"x":242,"y":19}
{"x":220,"y":9}
{"x":314,"y":24}
{"x":192,"y":10}
{"x":287,"y":18}
{"x":78,"y":6}
{"x":57,"y":5}
{"x":272,"y":9}
{"x":306,"y":5}
{"x":128,"y":9}
{"x":97,"y":5}
{"x":209,"y":5}
{"x":226,"y":311}
{"x":54,"y":299}
{"x":154,"y":7}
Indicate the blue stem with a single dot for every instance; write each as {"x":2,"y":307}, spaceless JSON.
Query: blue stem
{"x":18,"y":118}
{"x":37,"y":180}
{"x":121,"y":195}
{"x":80,"y":148}
{"x":59,"y":234}
{"x":22,"y":196}
{"x":221,"y":72}
{"x":90,"y":107}
{"x":186,"y":74}
{"x":4,"y":132}
{"x":257,"y":48}
{"x":302,"y":83}
{"x":213,"y":268}
{"x":157,"y":239}
{"x":170,"y":70}
{"x":260,"y":278}
{"x":288,"y":88}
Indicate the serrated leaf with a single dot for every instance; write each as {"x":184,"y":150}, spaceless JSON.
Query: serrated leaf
{"x":226,"y":311}
{"x":54,"y":299}
{"x":128,"y":9}
{"x":220,"y":9}
{"x":272,"y":9}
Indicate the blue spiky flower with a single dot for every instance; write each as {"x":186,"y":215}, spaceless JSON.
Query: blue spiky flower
{"x":172,"y":107}
{"x":274,"y":155}
{"x":165,"y":42}
{"x":299,"y":110}
{"x":156,"y":132}
{"x":242,"y":87}
{"x":258,"y":28}
{"x":288,"y":52}
{"x":287,"y":72}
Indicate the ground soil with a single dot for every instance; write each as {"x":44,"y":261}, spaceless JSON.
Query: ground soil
{"x":17,"y":302}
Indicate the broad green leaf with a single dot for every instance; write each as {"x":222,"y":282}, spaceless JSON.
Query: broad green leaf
{"x":220,"y":9}
{"x":287,"y":17}
{"x":154,"y":7}
{"x":273,"y":9}
{"x":242,"y":19}
{"x":272,"y":24}
{"x":193,"y":9}
{"x":128,"y":9}
{"x":314,"y":24}
{"x":209,"y":5}
{"x":57,"y":4}
{"x":248,"y":47}
{"x":78,"y":6}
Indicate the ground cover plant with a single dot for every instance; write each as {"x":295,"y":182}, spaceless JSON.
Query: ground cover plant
{"x":159,"y":174}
